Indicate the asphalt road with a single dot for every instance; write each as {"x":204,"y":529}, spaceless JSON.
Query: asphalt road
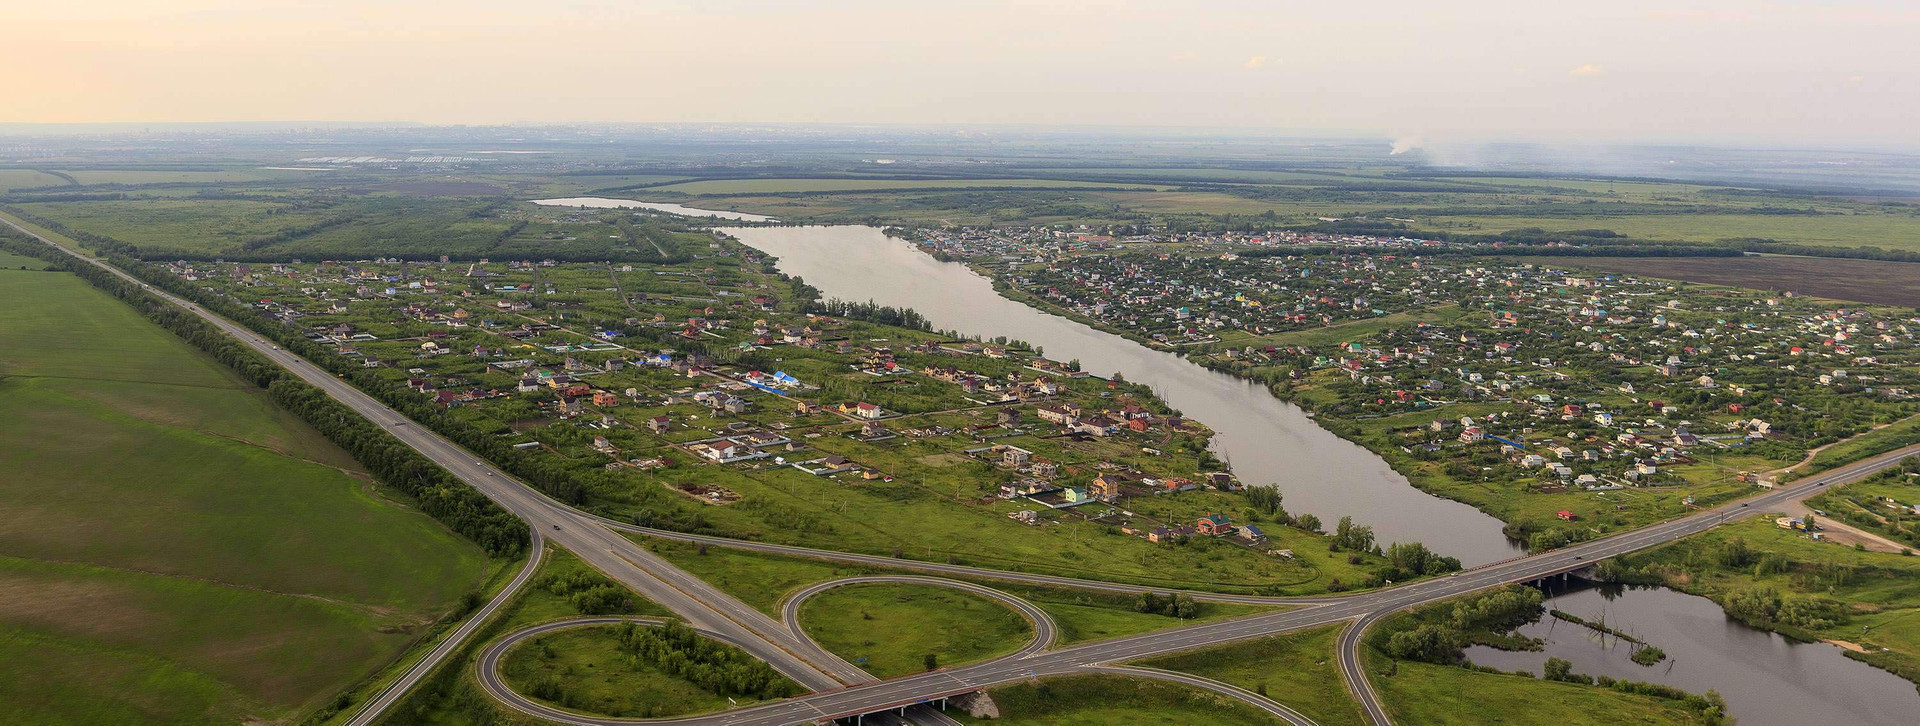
{"x":724,"y":617}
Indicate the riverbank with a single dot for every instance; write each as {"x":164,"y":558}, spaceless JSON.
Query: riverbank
{"x":1263,"y":439}
{"x":1785,"y":582}
{"x":1440,"y":436}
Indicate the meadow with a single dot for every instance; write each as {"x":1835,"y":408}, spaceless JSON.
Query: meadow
{"x":175,"y":549}
{"x":899,"y":626}
{"x":790,"y":186}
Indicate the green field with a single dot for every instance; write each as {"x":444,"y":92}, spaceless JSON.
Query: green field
{"x":10,"y":261}
{"x":28,"y":179}
{"x":1424,"y":693}
{"x":602,"y":679}
{"x":778,"y":186}
{"x":1295,"y":669}
{"x":1114,"y":701}
{"x":199,"y":554}
{"x":1888,"y":230}
{"x":167,"y":176}
{"x":187,"y":225}
{"x":888,"y":629}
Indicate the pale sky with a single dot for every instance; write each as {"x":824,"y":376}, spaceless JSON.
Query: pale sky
{"x":1796,"y":71}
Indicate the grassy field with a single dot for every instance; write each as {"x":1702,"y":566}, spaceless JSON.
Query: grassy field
{"x":28,"y":179}
{"x":1899,"y":231}
{"x":188,"y":225}
{"x":898,"y":625}
{"x":777,"y":186}
{"x":1114,"y":701}
{"x":1878,"y":441}
{"x":168,"y":176}
{"x":1870,"y":281}
{"x":199,"y":553}
{"x":1424,"y":693}
{"x":10,"y":261}
{"x":602,"y":679}
{"x":1296,"y":669}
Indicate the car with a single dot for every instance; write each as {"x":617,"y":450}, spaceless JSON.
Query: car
{"x":276,"y":347}
{"x":1743,"y":504}
{"x":1579,"y":557}
{"x":556,"y":526}
{"x":489,"y":473}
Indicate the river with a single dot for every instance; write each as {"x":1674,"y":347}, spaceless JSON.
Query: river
{"x":1765,"y":678}
{"x":605,"y":203}
{"x":1265,"y":440}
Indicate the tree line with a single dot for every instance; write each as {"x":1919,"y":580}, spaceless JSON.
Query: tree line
{"x":681,"y":652}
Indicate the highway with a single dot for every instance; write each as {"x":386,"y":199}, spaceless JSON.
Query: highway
{"x":840,"y":689}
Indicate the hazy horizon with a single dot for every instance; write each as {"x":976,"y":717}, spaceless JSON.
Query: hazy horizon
{"x":1797,"y":73}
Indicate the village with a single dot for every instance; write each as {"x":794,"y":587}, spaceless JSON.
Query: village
{"x":709,"y":381}
{"x":1545,"y":395}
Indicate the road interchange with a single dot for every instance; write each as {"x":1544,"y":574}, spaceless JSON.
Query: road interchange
{"x":841,"y":689}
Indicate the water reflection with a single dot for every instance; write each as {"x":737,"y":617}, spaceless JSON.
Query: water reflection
{"x":1765,"y":678}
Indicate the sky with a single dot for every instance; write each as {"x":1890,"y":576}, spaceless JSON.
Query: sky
{"x":1806,"y":72}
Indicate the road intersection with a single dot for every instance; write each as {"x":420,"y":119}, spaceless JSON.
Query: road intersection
{"x":843,"y":690}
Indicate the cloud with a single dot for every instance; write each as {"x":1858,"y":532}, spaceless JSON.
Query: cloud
{"x":1255,"y":63}
{"x":1588,"y":70}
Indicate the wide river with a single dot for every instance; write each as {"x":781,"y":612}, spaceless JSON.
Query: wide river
{"x":1264,"y":439}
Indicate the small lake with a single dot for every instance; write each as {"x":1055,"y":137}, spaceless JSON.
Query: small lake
{"x":605,"y":203}
{"x":1266,"y":440}
{"x":1766,"y":678}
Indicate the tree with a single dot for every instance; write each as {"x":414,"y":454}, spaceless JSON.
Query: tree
{"x":1354,"y":537}
{"x":1307,"y":522}
{"x":931,"y":661}
{"x":1427,"y":643}
{"x":1557,"y":669}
